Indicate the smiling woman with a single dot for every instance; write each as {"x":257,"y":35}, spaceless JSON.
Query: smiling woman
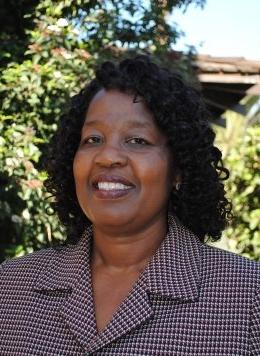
{"x":138,"y":183}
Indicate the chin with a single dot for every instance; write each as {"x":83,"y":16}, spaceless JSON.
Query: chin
{"x":111,"y":219}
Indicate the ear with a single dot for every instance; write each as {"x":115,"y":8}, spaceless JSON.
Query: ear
{"x":177,"y":177}
{"x":177,"y":180}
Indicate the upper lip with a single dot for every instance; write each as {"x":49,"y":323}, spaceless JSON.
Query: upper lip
{"x":111,"y":179}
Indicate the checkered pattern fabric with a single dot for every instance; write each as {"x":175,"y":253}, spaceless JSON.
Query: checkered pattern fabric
{"x":191,"y":299}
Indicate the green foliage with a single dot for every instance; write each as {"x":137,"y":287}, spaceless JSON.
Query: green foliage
{"x":46,"y":59}
{"x":244,"y":191}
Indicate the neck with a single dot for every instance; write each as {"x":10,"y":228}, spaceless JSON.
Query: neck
{"x":126,"y":252}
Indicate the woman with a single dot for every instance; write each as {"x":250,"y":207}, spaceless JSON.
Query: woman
{"x":138,"y":184}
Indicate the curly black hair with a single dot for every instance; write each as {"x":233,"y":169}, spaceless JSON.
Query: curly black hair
{"x":180,"y":113}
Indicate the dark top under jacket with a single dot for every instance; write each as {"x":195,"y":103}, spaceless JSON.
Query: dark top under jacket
{"x":191,"y":299}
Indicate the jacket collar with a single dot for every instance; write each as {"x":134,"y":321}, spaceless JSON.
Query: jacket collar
{"x":174,"y":271}
{"x":63,"y":270}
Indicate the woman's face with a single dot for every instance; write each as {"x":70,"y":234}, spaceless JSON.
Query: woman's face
{"x":123,"y":169}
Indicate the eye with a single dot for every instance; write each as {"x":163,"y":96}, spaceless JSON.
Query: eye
{"x":91,"y":140}
{"x":138,"y":141}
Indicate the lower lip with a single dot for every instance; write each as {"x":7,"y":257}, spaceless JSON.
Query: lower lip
{"x":111,"y":194}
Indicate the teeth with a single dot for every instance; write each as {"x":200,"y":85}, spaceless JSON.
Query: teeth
{"x":111,"y":186}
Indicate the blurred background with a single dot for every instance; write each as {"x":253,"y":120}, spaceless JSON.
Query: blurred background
{"x":49,"y":50}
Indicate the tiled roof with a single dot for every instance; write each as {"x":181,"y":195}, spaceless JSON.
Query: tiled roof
{"x":227,"y":70}
{"x":209,"y":64}
{"x":225,"y":81}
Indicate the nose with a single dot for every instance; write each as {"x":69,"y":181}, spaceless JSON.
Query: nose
{"x":111,"y":156}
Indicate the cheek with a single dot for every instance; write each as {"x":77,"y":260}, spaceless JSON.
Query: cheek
{"x":157,"y":174}
{"x":80,"y":173}
{"x":80,"y":168}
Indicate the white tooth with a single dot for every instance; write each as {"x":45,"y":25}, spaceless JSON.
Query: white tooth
{"x":111,"y":186}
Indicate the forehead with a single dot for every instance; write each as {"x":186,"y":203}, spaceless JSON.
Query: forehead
{"x":113,"y":105}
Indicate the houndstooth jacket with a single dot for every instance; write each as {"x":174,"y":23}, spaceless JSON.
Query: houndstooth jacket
{"x":191,"y":299}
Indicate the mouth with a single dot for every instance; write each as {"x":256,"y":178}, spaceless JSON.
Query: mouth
{"x":111,"y":187}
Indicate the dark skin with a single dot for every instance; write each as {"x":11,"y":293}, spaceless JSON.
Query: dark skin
{"x":120,"y":139}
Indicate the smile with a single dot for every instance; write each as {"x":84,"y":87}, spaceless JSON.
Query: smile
{"x":108,"y":186}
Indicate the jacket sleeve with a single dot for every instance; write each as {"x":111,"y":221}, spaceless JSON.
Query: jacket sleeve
{"x":255,"y":326}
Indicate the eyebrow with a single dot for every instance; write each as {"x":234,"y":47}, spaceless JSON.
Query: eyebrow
{"x":131,"y":124}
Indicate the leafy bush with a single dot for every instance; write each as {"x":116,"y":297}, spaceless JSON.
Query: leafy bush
{"x":244,"y":190}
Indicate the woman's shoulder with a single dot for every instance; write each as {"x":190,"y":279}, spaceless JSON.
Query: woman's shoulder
{"x":25,"y":267}
{"x":218,"y":266}
{"x":229,"y":267}
{"x":216,"y":254}
{"x":49,"y":263}
{"x":28,"y":259}
{"x":24,"y":271}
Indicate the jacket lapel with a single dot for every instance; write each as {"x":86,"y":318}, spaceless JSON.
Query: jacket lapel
{"x":134,"y":311}
{"x":69,"y":271}
{"x":173,"y":272}
{"x":78,"y":311}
